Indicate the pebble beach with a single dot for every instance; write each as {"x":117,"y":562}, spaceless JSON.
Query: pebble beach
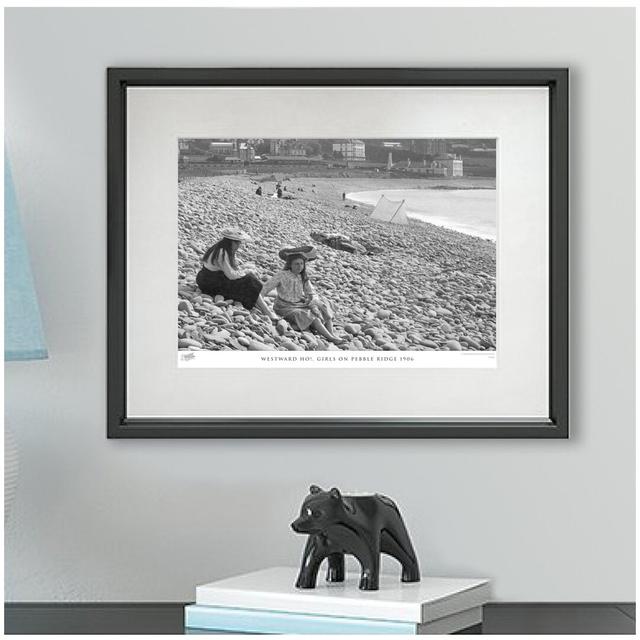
{"x":426,"y":288}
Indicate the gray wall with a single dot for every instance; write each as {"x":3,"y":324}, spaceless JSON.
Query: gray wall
{"x":135,"y":520}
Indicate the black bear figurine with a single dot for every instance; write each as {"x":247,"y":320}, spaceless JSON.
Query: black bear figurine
{"x":362,"y":525}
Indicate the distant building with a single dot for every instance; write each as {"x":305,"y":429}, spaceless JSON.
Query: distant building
{"x":449,"y":165}
{"x":287,"y":148}
{"x":456,"y":166}
{"x":246,"y":152}
{"x":393,"y":145}
{"x":436,"y":169}
{"x":222,"y":148}
{"x":274,"y":147}
{"x":436,"y":147}
{"x":351,"y":150}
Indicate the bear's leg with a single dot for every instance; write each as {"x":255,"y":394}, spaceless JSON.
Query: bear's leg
{"x":370,"y":563}
{"x":311,"y":560}
{"x":390,"y":546}
{"x":398,"y":531}
{"x":309,"y":574}
{"x":335,"y":570}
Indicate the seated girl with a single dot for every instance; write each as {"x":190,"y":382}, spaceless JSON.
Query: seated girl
{"x":220,"y":274}
{"x":297,"y":301}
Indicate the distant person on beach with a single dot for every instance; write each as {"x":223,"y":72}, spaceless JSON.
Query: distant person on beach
{"x":259,"y":191}
{"x":344,"y":195}
{"x":297,"y":302}
{"x":220,"y":274}
{"x":337,"y":241}
{"x":279,"y":192}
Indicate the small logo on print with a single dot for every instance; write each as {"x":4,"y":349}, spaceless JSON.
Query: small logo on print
{"x":188,"y":356}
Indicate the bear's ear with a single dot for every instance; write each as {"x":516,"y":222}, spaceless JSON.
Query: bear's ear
{"x":335,"y":493}
{"x":314,"y":488}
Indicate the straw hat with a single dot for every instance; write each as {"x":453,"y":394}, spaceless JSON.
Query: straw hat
{"x":306,"y":251}
{"x":235,"y":233}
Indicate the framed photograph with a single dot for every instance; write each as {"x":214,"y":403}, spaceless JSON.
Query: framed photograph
{"x":348,"y":253}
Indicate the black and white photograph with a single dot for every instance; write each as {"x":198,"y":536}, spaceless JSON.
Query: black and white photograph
{"x":398,"y":247}
{"x":374,"y":250}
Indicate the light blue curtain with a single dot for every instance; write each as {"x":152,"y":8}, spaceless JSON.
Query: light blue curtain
{"x":23,"y":336}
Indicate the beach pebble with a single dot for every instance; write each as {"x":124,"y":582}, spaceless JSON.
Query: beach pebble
{"x":185,"y":305}
{"x":236,"y":345}
{"x":240,"y":311}
{"x":258,"y":346}
{"x":441,"y":311}
{"x":290,"y":345}
{"x":471,"y":342}
{"x":309,"y":337}
{"x":184,"y":343}
{"x":453,"y":345}
{"x":218,"y":336}
{"x":383,"y":314}
{"x":353,"y":329}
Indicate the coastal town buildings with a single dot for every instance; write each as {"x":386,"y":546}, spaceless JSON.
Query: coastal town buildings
{"x":351,"y":150}
{"x":449,"y":165}
{"x":436,"y":147}
{"x":287,"y":147}
{"x":375,"y":155}
{"x":246,"y":152}
{"x":232,"y":150}
{"x":219,"y":148}
{"x":453,"y":163}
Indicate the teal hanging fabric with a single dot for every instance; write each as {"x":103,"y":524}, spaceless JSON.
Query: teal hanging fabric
{"x":23,"y":336}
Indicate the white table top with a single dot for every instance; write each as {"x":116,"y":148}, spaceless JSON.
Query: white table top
{"x":274,"y":589}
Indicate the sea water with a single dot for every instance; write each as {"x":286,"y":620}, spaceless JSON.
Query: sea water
{"x":471,"y":211}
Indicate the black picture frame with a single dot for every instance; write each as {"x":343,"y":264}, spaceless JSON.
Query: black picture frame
{"x":119,"y":425}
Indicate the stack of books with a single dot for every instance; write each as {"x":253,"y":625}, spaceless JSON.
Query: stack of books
{"x":267,"y":601}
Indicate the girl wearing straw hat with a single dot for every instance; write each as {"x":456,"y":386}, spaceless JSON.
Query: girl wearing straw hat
{"x":297,"y":301}
{"x":220,"y":274}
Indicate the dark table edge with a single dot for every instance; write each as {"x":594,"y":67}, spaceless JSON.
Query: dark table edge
{"x":57,"y":611}
{"x":182,"y":604}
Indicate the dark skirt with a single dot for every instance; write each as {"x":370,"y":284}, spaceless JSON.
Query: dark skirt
{"x":245,"y":290}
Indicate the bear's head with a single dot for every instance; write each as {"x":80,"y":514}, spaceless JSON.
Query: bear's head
{"x":320,"y":510}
